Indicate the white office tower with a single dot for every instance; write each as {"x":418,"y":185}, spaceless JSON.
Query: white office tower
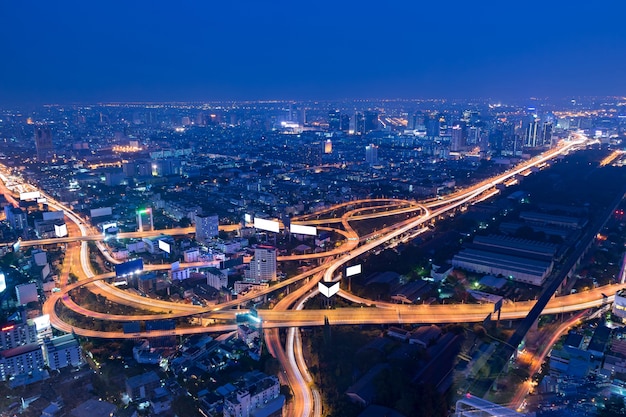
{"x":263,"y":266}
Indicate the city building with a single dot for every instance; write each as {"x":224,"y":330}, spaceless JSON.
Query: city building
{"x":370,"y":121}
{"x":334,"y":120}
{"x":93,"y":407}
{"x":371,"y":154}
{"x":14,"y":334}
{"x":456,"y":138}
{"x":16,"y":217}
{"x":328,"y":147}
{"x":207,"y":227}
{"x":530,"y":271}
{"x":216,"y":278}
{"x":619,"y":306}
{"x":43,"y":142}
{"x":518,"y":259}
{"x":62,"y":351}
{"x":26,"y":293}
{"x":257,"y":394}
{"x":142,"y":386}
{"x":263,"y":265}
{"x":20,"y":360}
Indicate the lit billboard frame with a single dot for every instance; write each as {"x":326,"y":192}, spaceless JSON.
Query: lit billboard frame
{"x":303,"y":230}
{"x":107,"y":226}
{"x":164,"y":246}
{"x":353,"y":270}
{"x":42,"y":322}
{"x":60,"y":230}
{"x":269,"y":225}
{"x":33,"y":195}
{"x":328,"y":291}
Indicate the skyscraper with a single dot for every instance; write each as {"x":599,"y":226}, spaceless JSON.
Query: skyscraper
{"x":371,"y":120}
{"x":334,"y":120}
{"x":546,"y":134}
{"x":530,"y":139}
{"x":456,"y":139}
{"x":43,"y":142}
{"x":359,"y":123}
{"x":263,"y":266}
{"x":345,"y":123}
{"x":328,"y":147}
{"x":371,"y":154}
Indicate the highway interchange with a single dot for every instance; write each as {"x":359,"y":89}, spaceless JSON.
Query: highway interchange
{"x":288,"y":313}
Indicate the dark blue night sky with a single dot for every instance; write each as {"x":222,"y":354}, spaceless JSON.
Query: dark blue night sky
{"x":211,"y":50}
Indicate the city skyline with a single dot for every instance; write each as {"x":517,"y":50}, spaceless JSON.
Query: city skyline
{"x":197,"y":52}
{"x":313,"y":209}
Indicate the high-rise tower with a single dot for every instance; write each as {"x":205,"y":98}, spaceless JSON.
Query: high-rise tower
{"x":43,"y":142}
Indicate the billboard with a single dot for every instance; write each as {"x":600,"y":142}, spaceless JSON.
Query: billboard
{"x":42,"y":322}
{"x":353,"y":270}
{"x":129,"y":267}
{"x":110,"y":225}
{"x":328,"y":288}
{"x":17,"y":245}
{"x":247,"y":218}
{"x":99,"y":212}
{"x":176,"y":266}
{"x":303,"y":230}
{"x":60,"y":230}
{"x":33,"y":195}
{"x":164,"y":246}
{"x":3,"y":282}
{"x":269,"y":225}
{"x":53,"y":215}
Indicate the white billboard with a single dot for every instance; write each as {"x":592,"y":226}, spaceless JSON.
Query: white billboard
{"x":60,"y":230}
{"x":41,"y":201}
{"x":42,"y":322}
{"x":353,"y":270}
{"x":109,"y":225}
{"x":164,"y":246}
{"x":53,"y":215}
{"x":269,"y":225}
{"x":303,"y":230}
{"x":328,"y":291}
{"x":99,"y":212}
{"x":3,"y":282}
{"x":247,"y":218}
{"x":33,"y":195}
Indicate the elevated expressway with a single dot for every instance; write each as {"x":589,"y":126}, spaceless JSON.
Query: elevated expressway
{"x":424,"y":315}
{"x":354,"y":247}
{"x":380,"y":313}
